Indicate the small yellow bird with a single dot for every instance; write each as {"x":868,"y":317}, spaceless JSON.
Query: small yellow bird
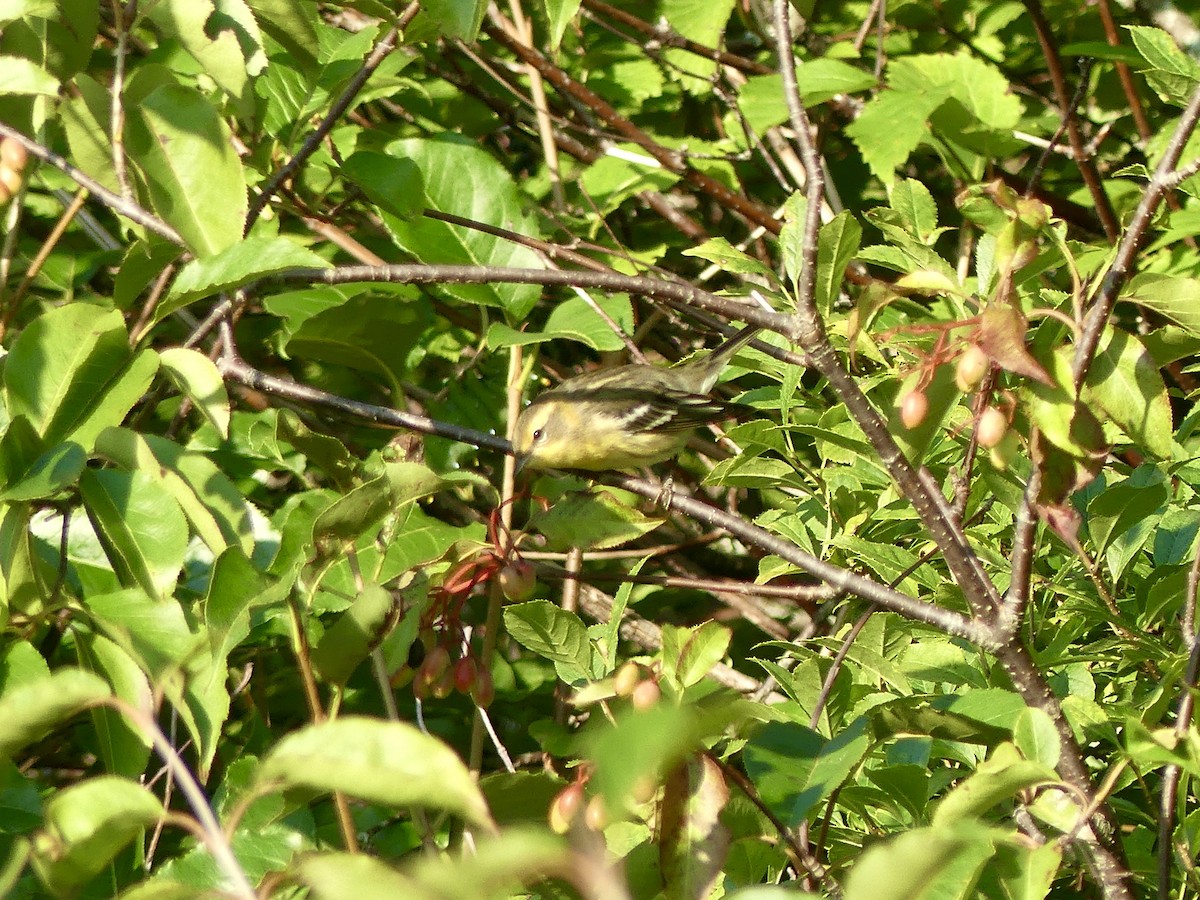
{"x":625,"y":417}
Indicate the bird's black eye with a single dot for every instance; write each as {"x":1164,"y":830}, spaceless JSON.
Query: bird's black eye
{"x":538,"y":434}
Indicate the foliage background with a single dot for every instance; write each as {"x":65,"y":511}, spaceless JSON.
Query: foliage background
{"x":874,"y":658}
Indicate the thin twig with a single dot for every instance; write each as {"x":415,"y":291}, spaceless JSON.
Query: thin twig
{"x":214,"y":837}
{"x":115,"y":202}
{"x":336,"y":110}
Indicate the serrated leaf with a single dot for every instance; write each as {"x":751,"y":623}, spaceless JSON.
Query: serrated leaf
{"x":461,"y":178}
{"x":556,"y":634}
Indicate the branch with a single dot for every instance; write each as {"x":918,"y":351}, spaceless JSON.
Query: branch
{"x":115,"y":202}
{"x":1162,"y":181}
{"x":380,"y":52}
{"x":612,"y":282}
{"x":1086,"y":168}
{"x":671,"y":160}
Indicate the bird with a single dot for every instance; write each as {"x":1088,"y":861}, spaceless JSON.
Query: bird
{"x":625,"y":417}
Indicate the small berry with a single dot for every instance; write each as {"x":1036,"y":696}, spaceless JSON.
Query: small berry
{"x":13,"y":154}
{"x":913,"y":408}
{"x":566,"y":807}
{"x":991,"y":428}
{"x":646,"y":695}
{"x":517,"y":580}
{"x":483,"y":691}
{"x":972,"y":366}
{"x":466,"y":670}
{"x":627,"y":678}
{"x":596,"y":814}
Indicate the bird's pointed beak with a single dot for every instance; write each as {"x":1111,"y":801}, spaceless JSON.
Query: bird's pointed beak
{"x":522,"y":459}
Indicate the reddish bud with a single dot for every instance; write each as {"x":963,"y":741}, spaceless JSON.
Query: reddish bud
{"x":466,"y":670}
{"x":483,"y":691}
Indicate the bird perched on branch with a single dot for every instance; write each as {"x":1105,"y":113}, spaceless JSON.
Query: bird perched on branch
{"x":624,"y":417}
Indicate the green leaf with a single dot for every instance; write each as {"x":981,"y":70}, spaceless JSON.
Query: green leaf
{"x":556,"y":634}
{"x":722,"y":253}
{"x":391,"y":183}
{"x":293,"y":24}
{"x":1037,"y":738}
{"x":198,"y":378}
{"x":245,"y":261}
{"x":1170,"y":71}
{"x":221,"y":35}
{"x":193,"y":176}
{"x":591,"y":521}
{"x":368,"y":332}
{"x":702,"y":21}
{"x":922,"y":864}
{"x":234,"y":592}
{"x":838,"y":243}
{"x":690,"y":653}
{"x":123,"y":748}
{"x":87,"y":825}
{"x":391,"y":763}
{"x":12,"y":10}
{"x":142,"y":528}
{"x":917,"y":210}
{"x":23,"y":76}
{"x":30,"y":710}
{"x":997,"y":779}
{"x":574,"y":320}
{"x":1171,"y":296}
{"x":356,"y":876}
{"x":56,"y":469}
{"x":461,"y":178}
{"x":93,"y":383}
{"x":456,"y":18}
{"x":559,"y":14}
{"x":214,"y":506}
{"x":795,"y":768}
{"x":358,"y":630}
{"x":1125,"y":383}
